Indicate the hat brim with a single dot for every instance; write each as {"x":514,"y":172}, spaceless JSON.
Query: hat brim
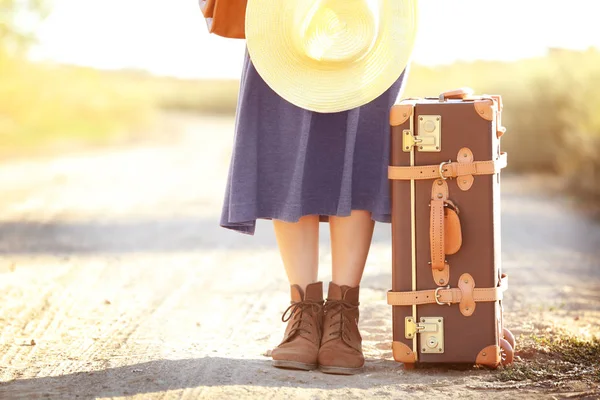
{"x":328,"y":87}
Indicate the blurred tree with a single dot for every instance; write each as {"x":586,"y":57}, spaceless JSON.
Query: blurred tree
{"x":19,"y":20}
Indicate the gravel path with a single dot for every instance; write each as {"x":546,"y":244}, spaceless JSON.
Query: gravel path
{"x":117,"y":282}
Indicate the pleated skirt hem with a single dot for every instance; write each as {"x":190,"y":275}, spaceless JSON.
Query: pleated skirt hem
{"x":242,"y":218}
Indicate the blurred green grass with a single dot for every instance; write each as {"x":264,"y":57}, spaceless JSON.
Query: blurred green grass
{"x":42,"y":105}
{"x":552,"y":106}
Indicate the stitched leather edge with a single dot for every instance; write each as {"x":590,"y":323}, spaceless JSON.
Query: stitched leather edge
{"x":439,"y":267}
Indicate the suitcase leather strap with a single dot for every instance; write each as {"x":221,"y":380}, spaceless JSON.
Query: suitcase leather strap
{"x":448,"y":169}
{"x":439,"y":266}
{"x":446,"y":295}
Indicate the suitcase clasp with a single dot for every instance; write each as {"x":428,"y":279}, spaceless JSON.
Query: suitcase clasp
{"x":429,"y":138}
{"x":431,"y":331}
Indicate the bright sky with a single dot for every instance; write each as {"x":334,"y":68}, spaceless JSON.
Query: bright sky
{"x":169,"y":37}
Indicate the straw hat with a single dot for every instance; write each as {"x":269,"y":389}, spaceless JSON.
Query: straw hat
{"x":330,"y":55}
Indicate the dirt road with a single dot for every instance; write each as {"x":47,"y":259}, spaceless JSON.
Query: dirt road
{"x":117,"y":282}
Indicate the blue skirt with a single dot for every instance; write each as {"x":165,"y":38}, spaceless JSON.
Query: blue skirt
{"x":288,"y":162}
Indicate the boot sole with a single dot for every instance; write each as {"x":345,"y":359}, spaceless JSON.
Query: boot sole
{"x":340,"y":370}
{"x":293,"y":365}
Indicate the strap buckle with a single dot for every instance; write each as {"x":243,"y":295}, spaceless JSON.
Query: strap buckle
{"x":442,"y":170}
{"x":438,"y":295}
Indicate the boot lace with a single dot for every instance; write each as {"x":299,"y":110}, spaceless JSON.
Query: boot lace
{"x":334,"y":308}
{"x":303,"y":323}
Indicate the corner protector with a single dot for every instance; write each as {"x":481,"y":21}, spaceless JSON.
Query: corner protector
{"x":485,"y":109}
{"x":489,"y":357}
{"x":402,"y":353}
{"x":400,"y":113}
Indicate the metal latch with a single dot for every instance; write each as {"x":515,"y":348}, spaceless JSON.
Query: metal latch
{"x":429,"y":138}
{"x":430,"y":330}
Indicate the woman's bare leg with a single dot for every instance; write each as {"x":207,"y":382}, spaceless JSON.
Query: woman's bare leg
{"x":299,"y":248}
{"x":350,"y":242}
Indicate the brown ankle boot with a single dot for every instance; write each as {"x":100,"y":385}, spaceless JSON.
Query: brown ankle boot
{"x":341,"y":348}
{"x":300,"y":345}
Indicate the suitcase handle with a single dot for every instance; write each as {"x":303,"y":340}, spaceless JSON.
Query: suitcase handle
{"x":460,"y":93}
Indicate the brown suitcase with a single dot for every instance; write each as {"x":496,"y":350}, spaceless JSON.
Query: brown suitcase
{"x":447,"y":280}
